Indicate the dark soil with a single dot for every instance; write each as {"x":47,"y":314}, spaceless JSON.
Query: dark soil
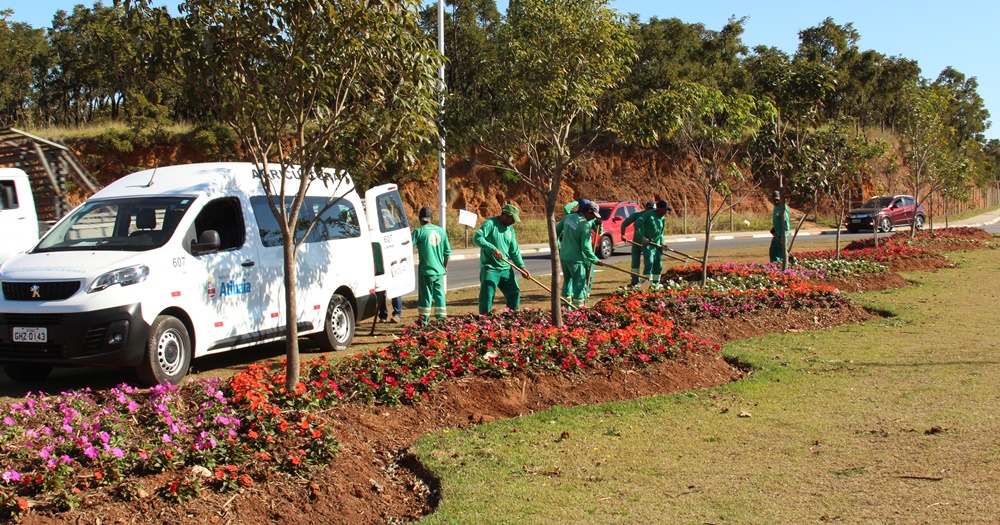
{"x":868,"y":282}
{"x":933,"y":262}
{"x":374,"y":480}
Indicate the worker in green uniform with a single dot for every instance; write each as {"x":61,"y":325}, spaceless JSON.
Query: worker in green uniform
{"x":577,"y":253}
{"x":433,"y":250}
{"x":635,"y":220}
{"x":596,"y":228}
{"x":779,"y":230}
{"x":498,"y":244}
{"x":652,"y":233}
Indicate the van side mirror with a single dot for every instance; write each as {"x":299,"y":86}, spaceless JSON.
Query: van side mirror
{"x":209,"y":242}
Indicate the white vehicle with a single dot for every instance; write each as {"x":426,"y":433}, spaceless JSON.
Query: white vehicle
{"x":167,"y":265}
{"x":18,"y":220}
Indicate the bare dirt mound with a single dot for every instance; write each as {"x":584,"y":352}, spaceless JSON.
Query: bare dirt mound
{"x":867,"y":282}
{"x":908,"y":264}
{"x":777,"y":321}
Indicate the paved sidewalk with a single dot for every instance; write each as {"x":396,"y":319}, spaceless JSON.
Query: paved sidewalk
{"x":985,"y":219}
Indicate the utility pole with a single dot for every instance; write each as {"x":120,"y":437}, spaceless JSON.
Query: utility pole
{"x":441,"y":172}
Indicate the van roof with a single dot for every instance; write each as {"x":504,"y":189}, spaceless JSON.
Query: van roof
{"x":12,"y":173}
{"x":210,"y":179}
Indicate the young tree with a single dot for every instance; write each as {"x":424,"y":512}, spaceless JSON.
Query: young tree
{"x":349,"y":84}
{"x":556,"y":58}
{"x":797,"y":90}
{"x":710,"y":126}
{"x":844,"y":159}
{"x":713,"y":128}
{"x":924,"y":138}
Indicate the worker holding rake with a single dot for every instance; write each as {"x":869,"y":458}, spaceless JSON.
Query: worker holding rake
{"x":577,"y":253}
{"x":652,"y":233}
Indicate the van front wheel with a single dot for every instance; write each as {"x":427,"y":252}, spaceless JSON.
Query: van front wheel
{"x":338,"y":329}
{"x":168,"y":352}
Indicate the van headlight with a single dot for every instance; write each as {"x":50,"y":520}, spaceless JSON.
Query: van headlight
{"x":123,"y":276}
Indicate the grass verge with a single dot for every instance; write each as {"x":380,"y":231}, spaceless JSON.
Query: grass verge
{"x":893,"y":421}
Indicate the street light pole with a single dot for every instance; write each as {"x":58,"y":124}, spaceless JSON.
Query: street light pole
{"x":441,"y":172}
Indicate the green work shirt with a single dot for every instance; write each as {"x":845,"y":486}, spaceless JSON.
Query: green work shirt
{"x":636,"y":220}
{"x":575,"y":244}
{"x":652,"y":228}
{"x":494,"y":235}
{"x":433,"y":249}
{"x":596,"y":225}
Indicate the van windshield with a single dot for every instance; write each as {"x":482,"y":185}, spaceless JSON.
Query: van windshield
{"x":117,"y":224}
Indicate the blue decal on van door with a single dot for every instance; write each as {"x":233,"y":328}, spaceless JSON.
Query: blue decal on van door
{"x":235,"y":288}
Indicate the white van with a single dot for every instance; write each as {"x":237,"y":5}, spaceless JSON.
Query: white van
{"x":175,"y":263}
{"x":18,"y":220}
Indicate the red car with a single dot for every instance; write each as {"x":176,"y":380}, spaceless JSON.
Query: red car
{"x":613,"y":213}
{"x":886,"y":213}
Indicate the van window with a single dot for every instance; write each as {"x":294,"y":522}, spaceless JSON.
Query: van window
{"x":117,"y":224}
{"x":391,"y":216}
{"x":225,"y":217}
{"x":8,"y":197}
{"x":339,"y":221}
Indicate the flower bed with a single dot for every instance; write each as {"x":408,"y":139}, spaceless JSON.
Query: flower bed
{"x":496,"y":345}
{"x":690,"y":303}
{"x":884,"y":253}
{"x":763,"y":275}
{"x":54,"y":446}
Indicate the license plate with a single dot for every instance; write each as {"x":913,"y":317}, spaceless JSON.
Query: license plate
{"x":855,"y":220}
{"x":30,"y":335}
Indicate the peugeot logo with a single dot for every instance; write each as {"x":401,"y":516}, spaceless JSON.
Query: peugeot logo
{"x":36,"y":291}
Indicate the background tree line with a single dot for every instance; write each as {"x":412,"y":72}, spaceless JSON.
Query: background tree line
{"x":118,"y":63}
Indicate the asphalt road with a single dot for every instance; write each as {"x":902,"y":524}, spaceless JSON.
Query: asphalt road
{"x":465,"y":272}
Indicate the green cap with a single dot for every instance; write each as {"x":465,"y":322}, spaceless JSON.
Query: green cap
{"x":511,"y":210}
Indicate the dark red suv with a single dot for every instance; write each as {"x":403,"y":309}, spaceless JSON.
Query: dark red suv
{"x":886,"y":213}
{"x":613,"y":213}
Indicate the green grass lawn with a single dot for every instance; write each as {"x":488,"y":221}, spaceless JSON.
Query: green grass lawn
{"x":893,"y":421}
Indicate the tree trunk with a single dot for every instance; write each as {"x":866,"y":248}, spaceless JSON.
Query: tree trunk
{"x":708,"y":239}
{"x":555,"y":260}
{"x":843,"y":208}
{"x":293,"y":362}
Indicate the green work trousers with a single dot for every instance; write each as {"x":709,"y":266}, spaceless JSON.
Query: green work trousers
{"x":490,"y":279}
{"x":430,"y":297}
{"x":777,"y":251}
{"x":636,"y":262}
{"x":653,"y":259}
{"x":576,"y":277}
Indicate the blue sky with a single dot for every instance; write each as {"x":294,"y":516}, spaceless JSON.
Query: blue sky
{"x":957,"y":33}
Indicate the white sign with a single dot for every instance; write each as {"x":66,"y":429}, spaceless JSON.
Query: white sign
{"x":467,"y":218}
